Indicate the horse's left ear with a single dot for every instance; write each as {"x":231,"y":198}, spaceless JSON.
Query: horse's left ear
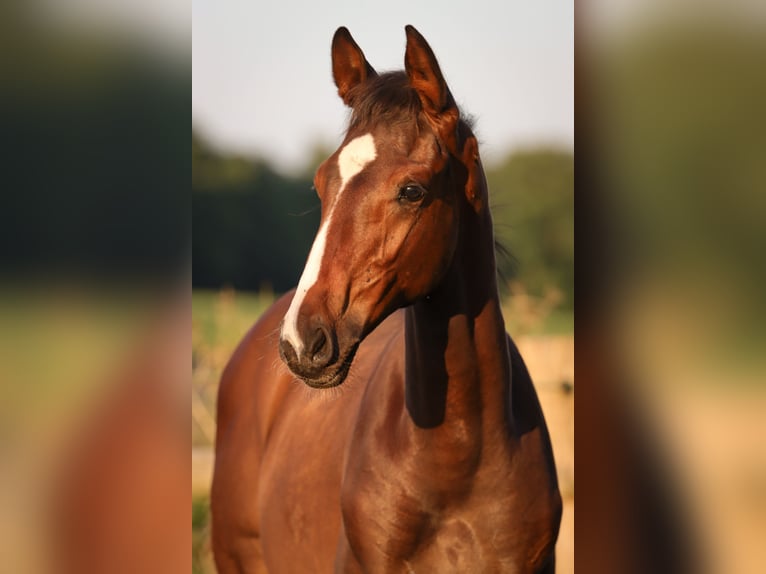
{"x":426,"y":78}
{"x":349,"y":66}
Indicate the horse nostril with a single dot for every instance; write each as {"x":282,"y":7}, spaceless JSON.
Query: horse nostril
{"x":320,"y":339}
{"x":319,"y":348}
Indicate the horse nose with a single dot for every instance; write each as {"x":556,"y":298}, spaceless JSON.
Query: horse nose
{"x":316,"y":351}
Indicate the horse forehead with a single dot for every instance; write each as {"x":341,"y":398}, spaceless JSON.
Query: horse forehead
{"x":383,"y":150}
{"x":355,"y":156}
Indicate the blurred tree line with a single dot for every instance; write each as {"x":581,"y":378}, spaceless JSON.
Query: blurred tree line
{"x":532,"y":199}
{"x":252,"y":227}
{"x":93,"y":139}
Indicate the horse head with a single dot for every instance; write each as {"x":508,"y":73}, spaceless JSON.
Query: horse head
{"x":393,"y":195}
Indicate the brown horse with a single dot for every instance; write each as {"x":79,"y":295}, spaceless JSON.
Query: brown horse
{"x":433,"y":456}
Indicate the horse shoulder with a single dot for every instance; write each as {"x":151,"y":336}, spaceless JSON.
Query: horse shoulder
{"x":247,"y":398}
{"x":247,"y":380}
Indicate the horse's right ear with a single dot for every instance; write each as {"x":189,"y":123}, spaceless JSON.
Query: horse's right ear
{"x":349,"y":66}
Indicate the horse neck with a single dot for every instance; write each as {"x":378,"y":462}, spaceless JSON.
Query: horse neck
{"x":457,"y":362}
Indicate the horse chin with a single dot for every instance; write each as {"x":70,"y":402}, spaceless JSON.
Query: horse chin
{"x":334,"y":376}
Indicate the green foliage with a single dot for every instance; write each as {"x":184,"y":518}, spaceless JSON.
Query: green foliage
{"x":532,"y":200}
{"x":688,"y":149}
{"x":200,"y":513}
{"x":251,"y":226}
{"x":93,"y":145}
{"x":684,"y":137}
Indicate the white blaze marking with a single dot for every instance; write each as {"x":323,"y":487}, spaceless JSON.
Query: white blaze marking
{"x":352,"y":159}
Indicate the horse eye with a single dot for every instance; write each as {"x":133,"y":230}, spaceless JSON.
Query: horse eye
{"x":411,"y":193}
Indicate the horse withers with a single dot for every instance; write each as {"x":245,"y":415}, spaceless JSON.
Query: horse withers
{"x":417,"y":443}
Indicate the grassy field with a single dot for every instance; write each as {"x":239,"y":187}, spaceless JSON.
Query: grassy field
{"x":220,"y":319}
{"x":542,"y":331}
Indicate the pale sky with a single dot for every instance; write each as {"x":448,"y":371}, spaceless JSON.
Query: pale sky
{"x":262,"y":81}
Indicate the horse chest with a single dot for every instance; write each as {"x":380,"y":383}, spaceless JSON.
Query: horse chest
{"x":454,"y":540}
{"x":393,"y":519}
{"x":464,"y":543}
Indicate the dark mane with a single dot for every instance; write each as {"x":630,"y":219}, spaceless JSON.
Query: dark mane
{"x":389,"y":99}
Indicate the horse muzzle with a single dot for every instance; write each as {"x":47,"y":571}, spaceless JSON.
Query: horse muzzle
{"x":318,"y":361}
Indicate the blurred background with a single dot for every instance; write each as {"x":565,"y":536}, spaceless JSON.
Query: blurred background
{"x":94,"y":287}
{"x":95,"y":255}
{"x":266,"y":112}
{"x":670,"y":353}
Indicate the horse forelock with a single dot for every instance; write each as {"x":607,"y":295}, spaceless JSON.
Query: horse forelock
{"x":389,"y":99}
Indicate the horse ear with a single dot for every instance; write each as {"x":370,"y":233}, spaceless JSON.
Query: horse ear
{"x":426,"y":78}
{"x":476,"y":184}
{"x":349,"y":66}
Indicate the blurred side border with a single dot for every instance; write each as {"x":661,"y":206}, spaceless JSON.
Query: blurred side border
{"x":669,"y":330}
{"x":95,"y":223}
